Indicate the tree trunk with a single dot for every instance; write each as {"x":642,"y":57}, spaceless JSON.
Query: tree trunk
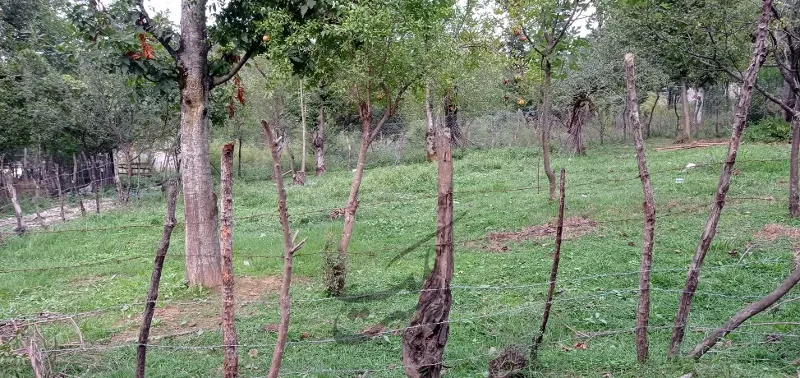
{"x":430,"y":128}
{"x":649,"y":209}
{"x":202,"y":266}
{"x":301,"y":175}
{"x":95,"y":181}
{"x":155,"y":279}
{"x":239,"y":160}
{"x":230,"y":365}
{"x":789,"y":99}
{"x":339,"y":270}
{"x":319,"y":140}
{"x":686,"y":135}
{"x":652,"y":112}
{"x":121,"y":197}
{"x":548,"y":304}
{"x":546,"y":116}
{"x":738,"y":125}
{"x":425,"y":337}
{"x":699,"y":103}
{"x":75,"y":190}
{"x":794,"y":194}
{"x":12,"y":193}
{"x":289,"y":248}
{"x":746,"y":313}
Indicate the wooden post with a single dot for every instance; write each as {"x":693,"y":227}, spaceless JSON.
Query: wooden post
{"x":301,"y":175}
{"x":739,"y":121}
{"x":426,"y":336}
{"x":12,"y":192}
{"x":649,"y":209}
{"x":537,"y":341}
{"x":230,"y":366}
{"x":75,"y":190}
{"x":155,"y":279}
{"x":60,"y":192}
{"x":289,"y":248}
{"x":95,"y":181}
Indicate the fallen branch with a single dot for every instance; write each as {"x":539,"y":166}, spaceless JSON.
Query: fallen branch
{"x":692,"y":145}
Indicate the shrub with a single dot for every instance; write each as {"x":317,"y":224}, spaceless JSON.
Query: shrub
{"x":769,"y":130}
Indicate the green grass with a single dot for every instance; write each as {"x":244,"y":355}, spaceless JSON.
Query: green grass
{"x":497,"y":299}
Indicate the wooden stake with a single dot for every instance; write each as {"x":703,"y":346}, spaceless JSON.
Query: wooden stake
{"x":289,"y":248}
{"x":75,"y":184}
{"x":155,"y":279}
{"x":537,"y":341}
{"x":649,"y":209}
{"x":230,"y":366}
{"x":12,"y":192}
{"x":60,"y":193}
{"x":426,"y":336}
{"x":739,"y":121}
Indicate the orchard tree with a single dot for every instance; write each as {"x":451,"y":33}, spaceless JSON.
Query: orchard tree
{"x":237,"y":35}
{"x":544,"y":30}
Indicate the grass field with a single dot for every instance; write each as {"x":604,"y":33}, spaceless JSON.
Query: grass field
{"x":497,"y":295}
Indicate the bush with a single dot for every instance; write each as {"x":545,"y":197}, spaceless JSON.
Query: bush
{"x":769,"y":130}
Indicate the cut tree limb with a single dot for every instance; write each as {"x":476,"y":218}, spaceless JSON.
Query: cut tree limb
{"x":739,"y":121}
{"x":155,"y":279}
{"x":289,"y":248}
{"x":649,"y":209}
{"x":548,"y":304}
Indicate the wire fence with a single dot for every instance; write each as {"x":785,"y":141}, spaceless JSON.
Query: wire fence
{"x":530,"y":307}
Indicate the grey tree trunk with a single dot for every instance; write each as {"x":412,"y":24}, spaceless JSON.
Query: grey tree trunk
{"x":686,"y":133}
{"x":202,"y":266}
{"x":430,"y":128}
{"x":319,"y":140}
{"x":12,"y":193}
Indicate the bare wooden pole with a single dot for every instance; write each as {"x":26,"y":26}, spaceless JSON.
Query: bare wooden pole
{"x":230,"y":366}
{"x":12,"y":192}
{"x":155,"y":279}
{"x":649,"y":210}
{"x":746,"y":313}
{"x":75,"y":184}
{"x":426,"y":336}
{"x":537,"y":340}
{"x":739,"y":121}
{"x":289,"y":248}
{"x":301,"y":175}
{"x":60,"y":192}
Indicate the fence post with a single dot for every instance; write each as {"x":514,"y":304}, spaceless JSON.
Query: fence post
{"x":230,"y":367}
{"x":155,"y":279}
{"x":649,"y":209}
{"x":12,"y":192}
{"x":553,"y":272}
{"x":75,"y":190}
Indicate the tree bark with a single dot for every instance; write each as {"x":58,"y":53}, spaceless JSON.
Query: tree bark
{"x":12,"y":193}
{"x":652,"y":112}
{"x":230,"y":365}
{"x":794,"y":193}
{"x":738,"y":125}
{"x":686,"y":135}
{"x":200,"y":203}
{"x":239,"y":160}
{"x":748,"y":312}
{"x":548,"y":304}
{"x":319,"y":139}
{"x":121,"y":197}
{"x":649,"y":210}
{"x":289,"y":248}
{"x":155,"y":279}
{"x":546,"y":117}
{"x":75,"y":184}
{"x":430,"y":128}
{"x":426,"y":336}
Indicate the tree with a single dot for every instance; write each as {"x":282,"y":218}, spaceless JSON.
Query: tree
{"x":545,"y":30}
{"x":238,"y":27}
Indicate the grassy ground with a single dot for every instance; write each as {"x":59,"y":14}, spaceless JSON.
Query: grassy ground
{"x":497,"y":295}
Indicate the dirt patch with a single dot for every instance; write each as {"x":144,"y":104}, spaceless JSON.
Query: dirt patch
{"x":52,"y":215}
{"x":773,"y":231}
{"x":573,"y":227}
{"x":197,"y":317}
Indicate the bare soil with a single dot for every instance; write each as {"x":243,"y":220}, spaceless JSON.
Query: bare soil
{"x":573,"y":227}
{"x":53,"y":215}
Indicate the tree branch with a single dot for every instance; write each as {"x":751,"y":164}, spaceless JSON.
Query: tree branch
{"x":235,"y":69}
{"x":150,"y":28}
